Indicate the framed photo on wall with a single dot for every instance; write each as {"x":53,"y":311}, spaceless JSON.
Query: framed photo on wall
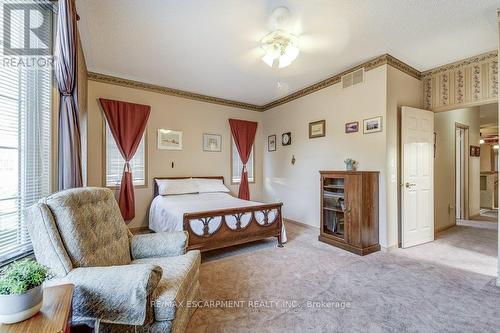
{"x":475,"y":151}
{"x":317,"y":129}
{"x":212,"y":142}
{"x":169,"y":139}
{"x":271,"y":142}
{"x":372,"y":125}
{"x":352,"y":127}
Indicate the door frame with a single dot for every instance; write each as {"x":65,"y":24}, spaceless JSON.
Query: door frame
{"x":466,"y":172}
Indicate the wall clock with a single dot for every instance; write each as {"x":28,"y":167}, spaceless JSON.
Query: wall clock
{"x":286,"y":139}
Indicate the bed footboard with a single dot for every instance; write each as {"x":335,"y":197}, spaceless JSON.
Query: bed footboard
{"x":227,"y":227}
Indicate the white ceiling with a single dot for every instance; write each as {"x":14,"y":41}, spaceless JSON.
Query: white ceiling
{"x":212,"y":47}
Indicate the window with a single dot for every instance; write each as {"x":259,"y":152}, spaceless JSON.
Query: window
{"x":25,"y":152}
{"x":115,"y":162}
{"x":237,"y":165}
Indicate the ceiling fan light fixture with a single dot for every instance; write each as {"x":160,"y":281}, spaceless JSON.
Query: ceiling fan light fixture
{"x":280,"y":45}
{"x":268,"y":59}
{"x":284,"y":62}
{"x":292,"y":52}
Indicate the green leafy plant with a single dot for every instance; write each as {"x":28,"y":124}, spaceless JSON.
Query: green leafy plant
{"x":21,"y":276}
{"x":350,"y":161}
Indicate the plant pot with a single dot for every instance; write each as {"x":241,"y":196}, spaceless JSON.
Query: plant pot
{"x":16,"y":308}
{"x":350,"y":167}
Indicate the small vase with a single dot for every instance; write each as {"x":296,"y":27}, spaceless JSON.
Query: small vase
{"x":16,"y":308}
{"x":350,"y":167}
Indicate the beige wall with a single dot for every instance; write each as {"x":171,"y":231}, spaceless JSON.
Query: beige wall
{"x":82,"y":83}
{"x":402,"y":90}
{"x":384,"y":91}
{"x":485,"y":158}
{"x":444,"y":168}
{"x":297,"y":186}
{"x":193,"y":118}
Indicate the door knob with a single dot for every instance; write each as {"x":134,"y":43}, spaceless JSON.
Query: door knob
{"x":410,"y":185}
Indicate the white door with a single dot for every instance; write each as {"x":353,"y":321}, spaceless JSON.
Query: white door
{"x":417,"y":147}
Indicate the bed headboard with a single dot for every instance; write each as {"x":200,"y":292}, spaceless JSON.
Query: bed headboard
{"x":155,"y":185}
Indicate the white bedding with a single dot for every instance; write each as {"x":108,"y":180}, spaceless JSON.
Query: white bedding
{"x":167,"y":212}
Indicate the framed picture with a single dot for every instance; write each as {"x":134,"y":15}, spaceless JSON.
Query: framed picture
{"x":475,"y":151}
{"x":352,"y":127}
{"x":372,"y":125}
{"x":317,"y":129}
{"x":169,"y":139}
{"x":271,"y":143}
{"x":212,"y":142}
{"x":286,"y":139}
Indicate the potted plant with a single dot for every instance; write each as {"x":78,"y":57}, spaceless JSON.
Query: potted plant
{"x":350,"y":164}
{"x":21,"y":292}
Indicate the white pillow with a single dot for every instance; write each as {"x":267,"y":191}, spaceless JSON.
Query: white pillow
{"x":176,"y":186}
{"x":206,"y":185}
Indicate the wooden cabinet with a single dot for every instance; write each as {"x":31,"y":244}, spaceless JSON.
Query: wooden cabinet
{"x":349,"y":210}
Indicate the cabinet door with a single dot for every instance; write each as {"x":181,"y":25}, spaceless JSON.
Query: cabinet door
{"x":333,"y":207}
{"x":353,"y":208}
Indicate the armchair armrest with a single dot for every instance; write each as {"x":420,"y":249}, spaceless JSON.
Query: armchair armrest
{"x":161,"y":244}
{"x":116,"y":294}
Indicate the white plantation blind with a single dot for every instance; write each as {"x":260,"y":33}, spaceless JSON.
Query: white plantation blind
{"x":115,"y":162}
{"x":25,"y":140}
{"x":238,"y":165}
{"x":25,"y":152}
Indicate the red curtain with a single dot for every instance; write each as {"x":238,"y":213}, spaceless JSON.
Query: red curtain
{"x":127,"y":122}
{"x":244,"y":135}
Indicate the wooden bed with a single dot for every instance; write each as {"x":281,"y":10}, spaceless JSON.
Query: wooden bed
{"x":259,"y":227}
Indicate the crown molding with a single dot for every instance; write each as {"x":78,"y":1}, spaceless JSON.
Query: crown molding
{"x":403,"y":67}
{"x":170,"y":91}
{"x":385,"y":59}
{"x":461,"y":63}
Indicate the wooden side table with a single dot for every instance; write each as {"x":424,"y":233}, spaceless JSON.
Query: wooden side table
{"x":54,"y":317}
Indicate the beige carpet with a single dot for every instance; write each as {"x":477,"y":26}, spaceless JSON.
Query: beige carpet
{"x":487,"y":215}
{"x":308,"y":286}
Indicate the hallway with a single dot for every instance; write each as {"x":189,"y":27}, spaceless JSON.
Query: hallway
{"x":469,"y":246}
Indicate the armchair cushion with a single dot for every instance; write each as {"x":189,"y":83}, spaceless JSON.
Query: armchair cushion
{"x":117,"y":294}
{"x":91,"y":226}
{"x":180,"y":275}
{"x":162,"y":244}
{"x":47,"y":244}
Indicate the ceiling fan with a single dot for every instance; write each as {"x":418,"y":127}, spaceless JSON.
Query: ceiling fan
{"x":280,"y":46}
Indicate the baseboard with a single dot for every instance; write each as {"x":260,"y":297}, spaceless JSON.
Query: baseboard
{"x":301,"y":224}
{"x":446,"y":227}
{"x":389,"y":248}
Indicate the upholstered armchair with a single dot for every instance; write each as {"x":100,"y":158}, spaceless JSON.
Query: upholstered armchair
{"x":123,"y":282}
